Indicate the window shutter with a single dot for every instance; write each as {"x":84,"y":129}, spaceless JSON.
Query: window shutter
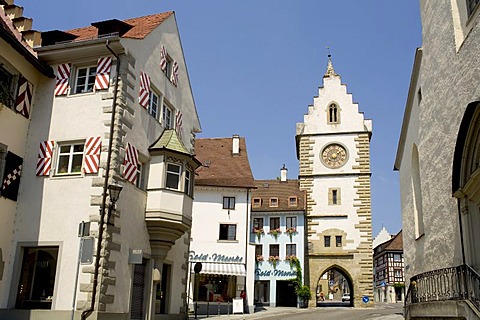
{"x":63,"y":73}
{"x":144,"y":92}
{"x":11,"y":178}
{"x":130,"y":164}
{"x":93,"y":146}
{"x":163,"y":58}
{"x":174,"y":76}
{"x":102,"y":79}
{"x":44,"y":160}
{"x":24,"y":97}
{"x":178,"y":123}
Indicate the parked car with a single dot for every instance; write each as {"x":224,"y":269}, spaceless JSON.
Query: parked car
{"x":346,"y":297}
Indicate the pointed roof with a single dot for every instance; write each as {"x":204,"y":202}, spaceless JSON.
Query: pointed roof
{"x":394,"y":244}
{"x":169,"y":140}
{"x":330,"y":71}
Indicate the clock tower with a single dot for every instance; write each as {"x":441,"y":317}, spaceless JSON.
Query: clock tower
{"x":333,"y":148}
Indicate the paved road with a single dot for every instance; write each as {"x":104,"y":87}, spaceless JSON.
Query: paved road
{"x":381,"y":311}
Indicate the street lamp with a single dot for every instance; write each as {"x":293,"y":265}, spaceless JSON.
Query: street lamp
{"x":114,"y":193}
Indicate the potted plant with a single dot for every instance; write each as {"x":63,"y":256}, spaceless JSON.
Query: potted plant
{"x":291,"y":232}
{"x":273,"y":260}
{"x":259,"y":232}
{"x":275,"y":232}
{"x":304,"y":295}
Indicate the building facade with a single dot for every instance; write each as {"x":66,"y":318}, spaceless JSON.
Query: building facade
{"x":120,"y":114}
{"x":388,"y":267}
{"x":333,"y":148}
{"x":220,"y":232}
{"x":278,"y":231}
{"x":21,"y":77}
{"x":437,"y":159}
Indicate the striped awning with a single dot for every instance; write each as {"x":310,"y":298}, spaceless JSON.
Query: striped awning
{"x":231,"y":269}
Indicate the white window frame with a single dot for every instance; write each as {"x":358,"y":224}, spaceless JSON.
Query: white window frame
{"x":167,"y":115}
{"x":140,"y":183}
{"x":273,"y":202}
{"x":289,"y":222}
{"x":71,"y":154}
{"x":230,"y":205}
{"x":188,"y":182}
{"x":154,"y":108}
{"x":230,"y":225}
{"x":170,"y":173}
{"x":289,"y":248}
{"x":88,"y":78}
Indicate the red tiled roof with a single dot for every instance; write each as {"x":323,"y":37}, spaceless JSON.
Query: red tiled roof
{"x":219,"y":167}
{"x":141,"y":27}
{"x":283,"y":191}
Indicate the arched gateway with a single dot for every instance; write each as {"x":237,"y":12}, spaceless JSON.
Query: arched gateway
{"x":335,"y":288}
{"x":334,"y":159}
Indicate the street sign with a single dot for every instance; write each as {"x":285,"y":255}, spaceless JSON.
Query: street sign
{"x":365,"y":299}
{"x":331,"y":282}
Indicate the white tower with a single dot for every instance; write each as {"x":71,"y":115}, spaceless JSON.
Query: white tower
{"x":333,"y":148}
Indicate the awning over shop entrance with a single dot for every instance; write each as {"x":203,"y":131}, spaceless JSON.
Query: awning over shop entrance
{"x":230,"y":269}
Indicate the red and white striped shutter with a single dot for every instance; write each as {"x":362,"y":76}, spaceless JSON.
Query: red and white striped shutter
{"x":163,"y":58}
{"x":102,"y":79}
{"x":130,"y":164}
{"x":44,"y":161}
{"x":24,"y":97}
{"x":63,"y":73}
{"x":144,"y":91}
{"x":174,"y":77}
{"x":93,"y":146}
{"x":178,"y":123}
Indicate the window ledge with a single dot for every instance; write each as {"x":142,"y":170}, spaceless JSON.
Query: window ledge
{"x":67,"y":176}
{"x":227,"y":241}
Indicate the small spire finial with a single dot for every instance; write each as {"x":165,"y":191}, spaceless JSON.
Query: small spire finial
{"x":330,"y":71}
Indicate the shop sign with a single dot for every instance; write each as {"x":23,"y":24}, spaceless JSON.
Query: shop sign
{"x":214,"y":257}
{"x":276,"y":273}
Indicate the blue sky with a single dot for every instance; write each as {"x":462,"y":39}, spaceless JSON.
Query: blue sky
{"x":255,"y":66}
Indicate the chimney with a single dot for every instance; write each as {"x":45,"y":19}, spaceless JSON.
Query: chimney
{"x":283,"y":173}
{"x":236,"y":144}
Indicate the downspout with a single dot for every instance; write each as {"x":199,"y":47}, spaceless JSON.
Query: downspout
{"x":88,"y":312}
{"x":247,"y":242}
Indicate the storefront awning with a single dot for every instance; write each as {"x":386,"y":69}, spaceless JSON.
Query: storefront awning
{"x":231,"y":269}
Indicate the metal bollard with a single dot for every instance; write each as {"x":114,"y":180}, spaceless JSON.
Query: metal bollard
{"x":196,"y":307}
{"x":218,"y":307}
{"x":228,"y":307}
{"x":208,"y":309}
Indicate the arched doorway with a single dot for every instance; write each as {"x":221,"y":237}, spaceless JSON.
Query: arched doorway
{"x":466,"y":183}
{"x":334,"y":288}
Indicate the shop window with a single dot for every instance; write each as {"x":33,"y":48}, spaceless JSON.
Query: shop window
{"x":274,"y":223}
{"x":229,"y":203}
{"x":85,"y":79}
{"x":326,"y":241}
{"x":228,"y":232}
{"x":37,"y":278}
{"x":173,"y":176}
{"x":215,"y":288}
{"x":70,"y":158}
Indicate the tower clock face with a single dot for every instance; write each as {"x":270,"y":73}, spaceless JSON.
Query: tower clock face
{"x":334,"y":155}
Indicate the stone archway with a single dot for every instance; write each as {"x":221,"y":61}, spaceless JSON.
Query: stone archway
{"x":334,"y":288}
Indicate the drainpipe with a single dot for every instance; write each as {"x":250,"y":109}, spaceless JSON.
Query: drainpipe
{"x":88,"y":312}
{"x":247,"y":243}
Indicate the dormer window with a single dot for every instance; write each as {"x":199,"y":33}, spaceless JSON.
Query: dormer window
{"x":273,"y":202}
{"x":292,"y":201}
{"x":333,"y":114}
{"x":256,"y":202}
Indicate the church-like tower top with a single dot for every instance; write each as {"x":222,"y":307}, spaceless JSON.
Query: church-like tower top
{"x":330,"y":71}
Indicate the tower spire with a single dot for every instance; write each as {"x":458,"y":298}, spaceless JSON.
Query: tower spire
{"x":330,"y":71}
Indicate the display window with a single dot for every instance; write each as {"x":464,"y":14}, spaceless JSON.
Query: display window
{"x":216,"y":288}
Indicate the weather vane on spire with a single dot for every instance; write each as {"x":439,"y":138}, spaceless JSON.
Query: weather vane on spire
{"x":330,"y":72}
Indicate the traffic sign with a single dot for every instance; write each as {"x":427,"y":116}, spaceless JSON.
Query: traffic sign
{"x":365,"y":299}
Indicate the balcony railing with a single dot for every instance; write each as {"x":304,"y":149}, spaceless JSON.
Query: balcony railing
{"x":455,"y":283}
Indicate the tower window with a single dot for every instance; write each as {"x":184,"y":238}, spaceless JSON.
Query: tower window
{"x":334,"y":196}
{"x":333,"y":114}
